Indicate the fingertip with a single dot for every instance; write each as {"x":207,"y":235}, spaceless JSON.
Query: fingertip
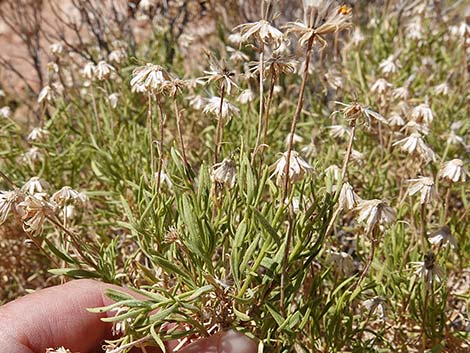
{"x":57,"y":316}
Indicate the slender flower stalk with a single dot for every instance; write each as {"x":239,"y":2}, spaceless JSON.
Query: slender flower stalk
{"x":264,"y":33}
{"x":223,"y":75}
{"x":268,"y":107}
{"x":298,"y":109}
{"x":261,"y":100}
{"x":425,"y":186}
{"x":347,"y":156}
{"x":451,"y":172}
{"x":151,"y":79}
{"x":219,"y":129}
{"x":174,"y":87}
{"x":180,"y":133}
{"x":274,"y":67}
{"x":150,"y":132}
{"x":374,"y":212}
{"x":161,"y":116}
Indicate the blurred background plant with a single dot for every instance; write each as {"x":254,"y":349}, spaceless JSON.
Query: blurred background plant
{"x":302,"y":178}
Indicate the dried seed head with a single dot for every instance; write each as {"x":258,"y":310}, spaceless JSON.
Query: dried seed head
{"x":395,"y":119}
{"x":56,"y":48}
{"x":333,"y":172}
{"x":33,"y":155}
{"x":353,"y":111}
{"x":413,"y":127}
{"x":117,"y":55}
{"x":381,"y":86}
{"x":442,"y":89}
{"x":196,"y":102}
{"x":334,"y":78}
{"x":5,"y":112}
{"x":401,"y":93}
{"x":296,"y":138}
{"x":339,"y":131}
{"x":103,"y":70}
{"x":219,"y":72}
{"x":246,"y":96}
{"x":46,"y":94}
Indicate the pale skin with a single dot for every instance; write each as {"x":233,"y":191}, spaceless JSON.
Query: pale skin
{"x":57,"y":316}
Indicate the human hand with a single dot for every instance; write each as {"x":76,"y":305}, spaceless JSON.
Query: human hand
{"x":57,"y":316}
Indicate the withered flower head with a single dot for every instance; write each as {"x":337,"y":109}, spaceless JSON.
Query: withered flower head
{"x":429,"y":269}
{"x":415,"y":145}
{"x":219,"y":72}
{"x":212,"y":106}
{"x":348,"y":199}
{"x":224,"y":173}
{"x":298,"y":168}
{"x":8,"y":202}
{"x":148,"y":78}
{"x":353,"y":111}
{"x":453,"y":171}
{"x":261,"y":30}
{"x":442,"y":236}
{"x":103,"y":70}
{"x":375,"y":212}
{"x":34,"y":212}
{"x":375,"y":306}
{"x":425,"y":186}
{"x":35,"y":185}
